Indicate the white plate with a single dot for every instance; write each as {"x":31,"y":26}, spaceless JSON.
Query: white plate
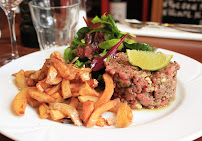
{"x":181,"y":120}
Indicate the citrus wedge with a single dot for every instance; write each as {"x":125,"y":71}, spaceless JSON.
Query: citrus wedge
{"x":148,"y":60}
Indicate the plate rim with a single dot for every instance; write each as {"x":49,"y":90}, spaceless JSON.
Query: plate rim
{"x":193,"y":135}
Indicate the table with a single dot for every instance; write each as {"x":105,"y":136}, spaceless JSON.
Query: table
{"x":192,"y":49}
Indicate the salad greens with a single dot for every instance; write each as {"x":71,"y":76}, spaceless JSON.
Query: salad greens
{"x":111,"y":37}
{"x":139,"y":46}
{"x":110,"y":43}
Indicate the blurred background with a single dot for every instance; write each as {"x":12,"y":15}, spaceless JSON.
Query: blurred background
{"x":162,"y":11}
{"x":166,"y":11}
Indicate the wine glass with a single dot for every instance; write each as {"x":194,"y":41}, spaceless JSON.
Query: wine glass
{"x":9,"y":7}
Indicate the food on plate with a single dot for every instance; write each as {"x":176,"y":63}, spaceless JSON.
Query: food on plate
{"x":40,"y":97}
{"x":20,"y":80}
{"x":20,"y":102}
{"x":148,"y":60}
{"x":68,"y":110}
{"x":43,"y":111}
{"x":85,"y":98}
{"x":61,"y":100}
{"x":124,"y":116}
{"x":101,"y":122}
{"x":110,"y":121}
{"x":100,"y":110}
{"x":141,"y":77}
{"x":141,"y":88}
{"x":88,"y":108}
{"x":103,"y":70}
{"x":89,"y":43}
{"x":108,"y":92}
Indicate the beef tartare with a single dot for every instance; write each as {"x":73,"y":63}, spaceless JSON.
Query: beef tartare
{"x":148,"y":89}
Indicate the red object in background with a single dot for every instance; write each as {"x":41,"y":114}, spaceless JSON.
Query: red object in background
{"x":85,"y":21}
{"x":145,"y":10}
{"x":64,"y":3}
{"x":104,"y":6}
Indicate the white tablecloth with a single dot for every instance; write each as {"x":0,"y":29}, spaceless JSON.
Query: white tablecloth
{"x":161,"y":32}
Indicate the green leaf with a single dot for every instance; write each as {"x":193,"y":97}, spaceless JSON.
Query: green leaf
{"x":83,"y":41}
{"x":95,"y":30}
{"x":110,"y":43}
{"x":132,"y":35}
{"x":69,"y":54}
{"x":108,"y":35}
{"x":103,"y":53}
{"x":139,"y":46}
{"x":108,"y":58}
{"x":104,"y":17}
{"x":96,"y":19}
{"x":79,"y":63}
{"x":129,"y":41}
{"x":111,"y":20}
{"x":79,"y":36}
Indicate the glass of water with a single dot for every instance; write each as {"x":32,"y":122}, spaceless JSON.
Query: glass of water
{"x":54,"y":21}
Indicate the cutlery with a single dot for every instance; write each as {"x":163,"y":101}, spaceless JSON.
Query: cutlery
{"x":181,"y":27}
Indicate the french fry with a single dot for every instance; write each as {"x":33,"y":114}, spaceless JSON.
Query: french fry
{"x":32,"y":102}
{"x":28,"y":73}
{"x":21,"y":80}
{"x":75,"y":94}
{"x":30,"y":82}
{"x":87,"y":90}
{"x":87,"y":110}
{"x":42,"y":86}
{"x":61,"y":67}
{"x":93,"y":83}
{"x":62,"y":90}
{"x":37,"y":76}
{"x":43,"y":111}
{"x":101,"y":122}
{"x":68,"y":111}
{"x":100,"y":110}
{"x":51,"y":75}
{"x":80,"y":107}
{"x":58,"y":97}
{"x":46,"y":66}
{"x":57,"y":115}
{"x":40,"y":97}
{"x":57,"y":55}
{"x":108,"y":92}
{"x":115,"y":108}
{"x":74,"y":102}
{"x":83,"y":99}
{"x":20,"y":102}
{"x":124,"y":116}
{"x":66,"y":91}
{"x":84,"y":75}
{"x":75,"y":87}
{"x":54,"y":89}
{"x":73,"y":72}
{"x":110,"y":121}
{"x":57,"y":80}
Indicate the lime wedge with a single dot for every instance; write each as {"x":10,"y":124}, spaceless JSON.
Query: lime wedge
{"x":148,"y":60}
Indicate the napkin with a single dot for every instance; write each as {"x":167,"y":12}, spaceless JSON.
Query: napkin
{"x":161,"y":32}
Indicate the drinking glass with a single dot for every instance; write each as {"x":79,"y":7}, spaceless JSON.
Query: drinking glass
{"x":9,"y":7}
{"x":54,"y":21}
{"x":82,"y":14}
